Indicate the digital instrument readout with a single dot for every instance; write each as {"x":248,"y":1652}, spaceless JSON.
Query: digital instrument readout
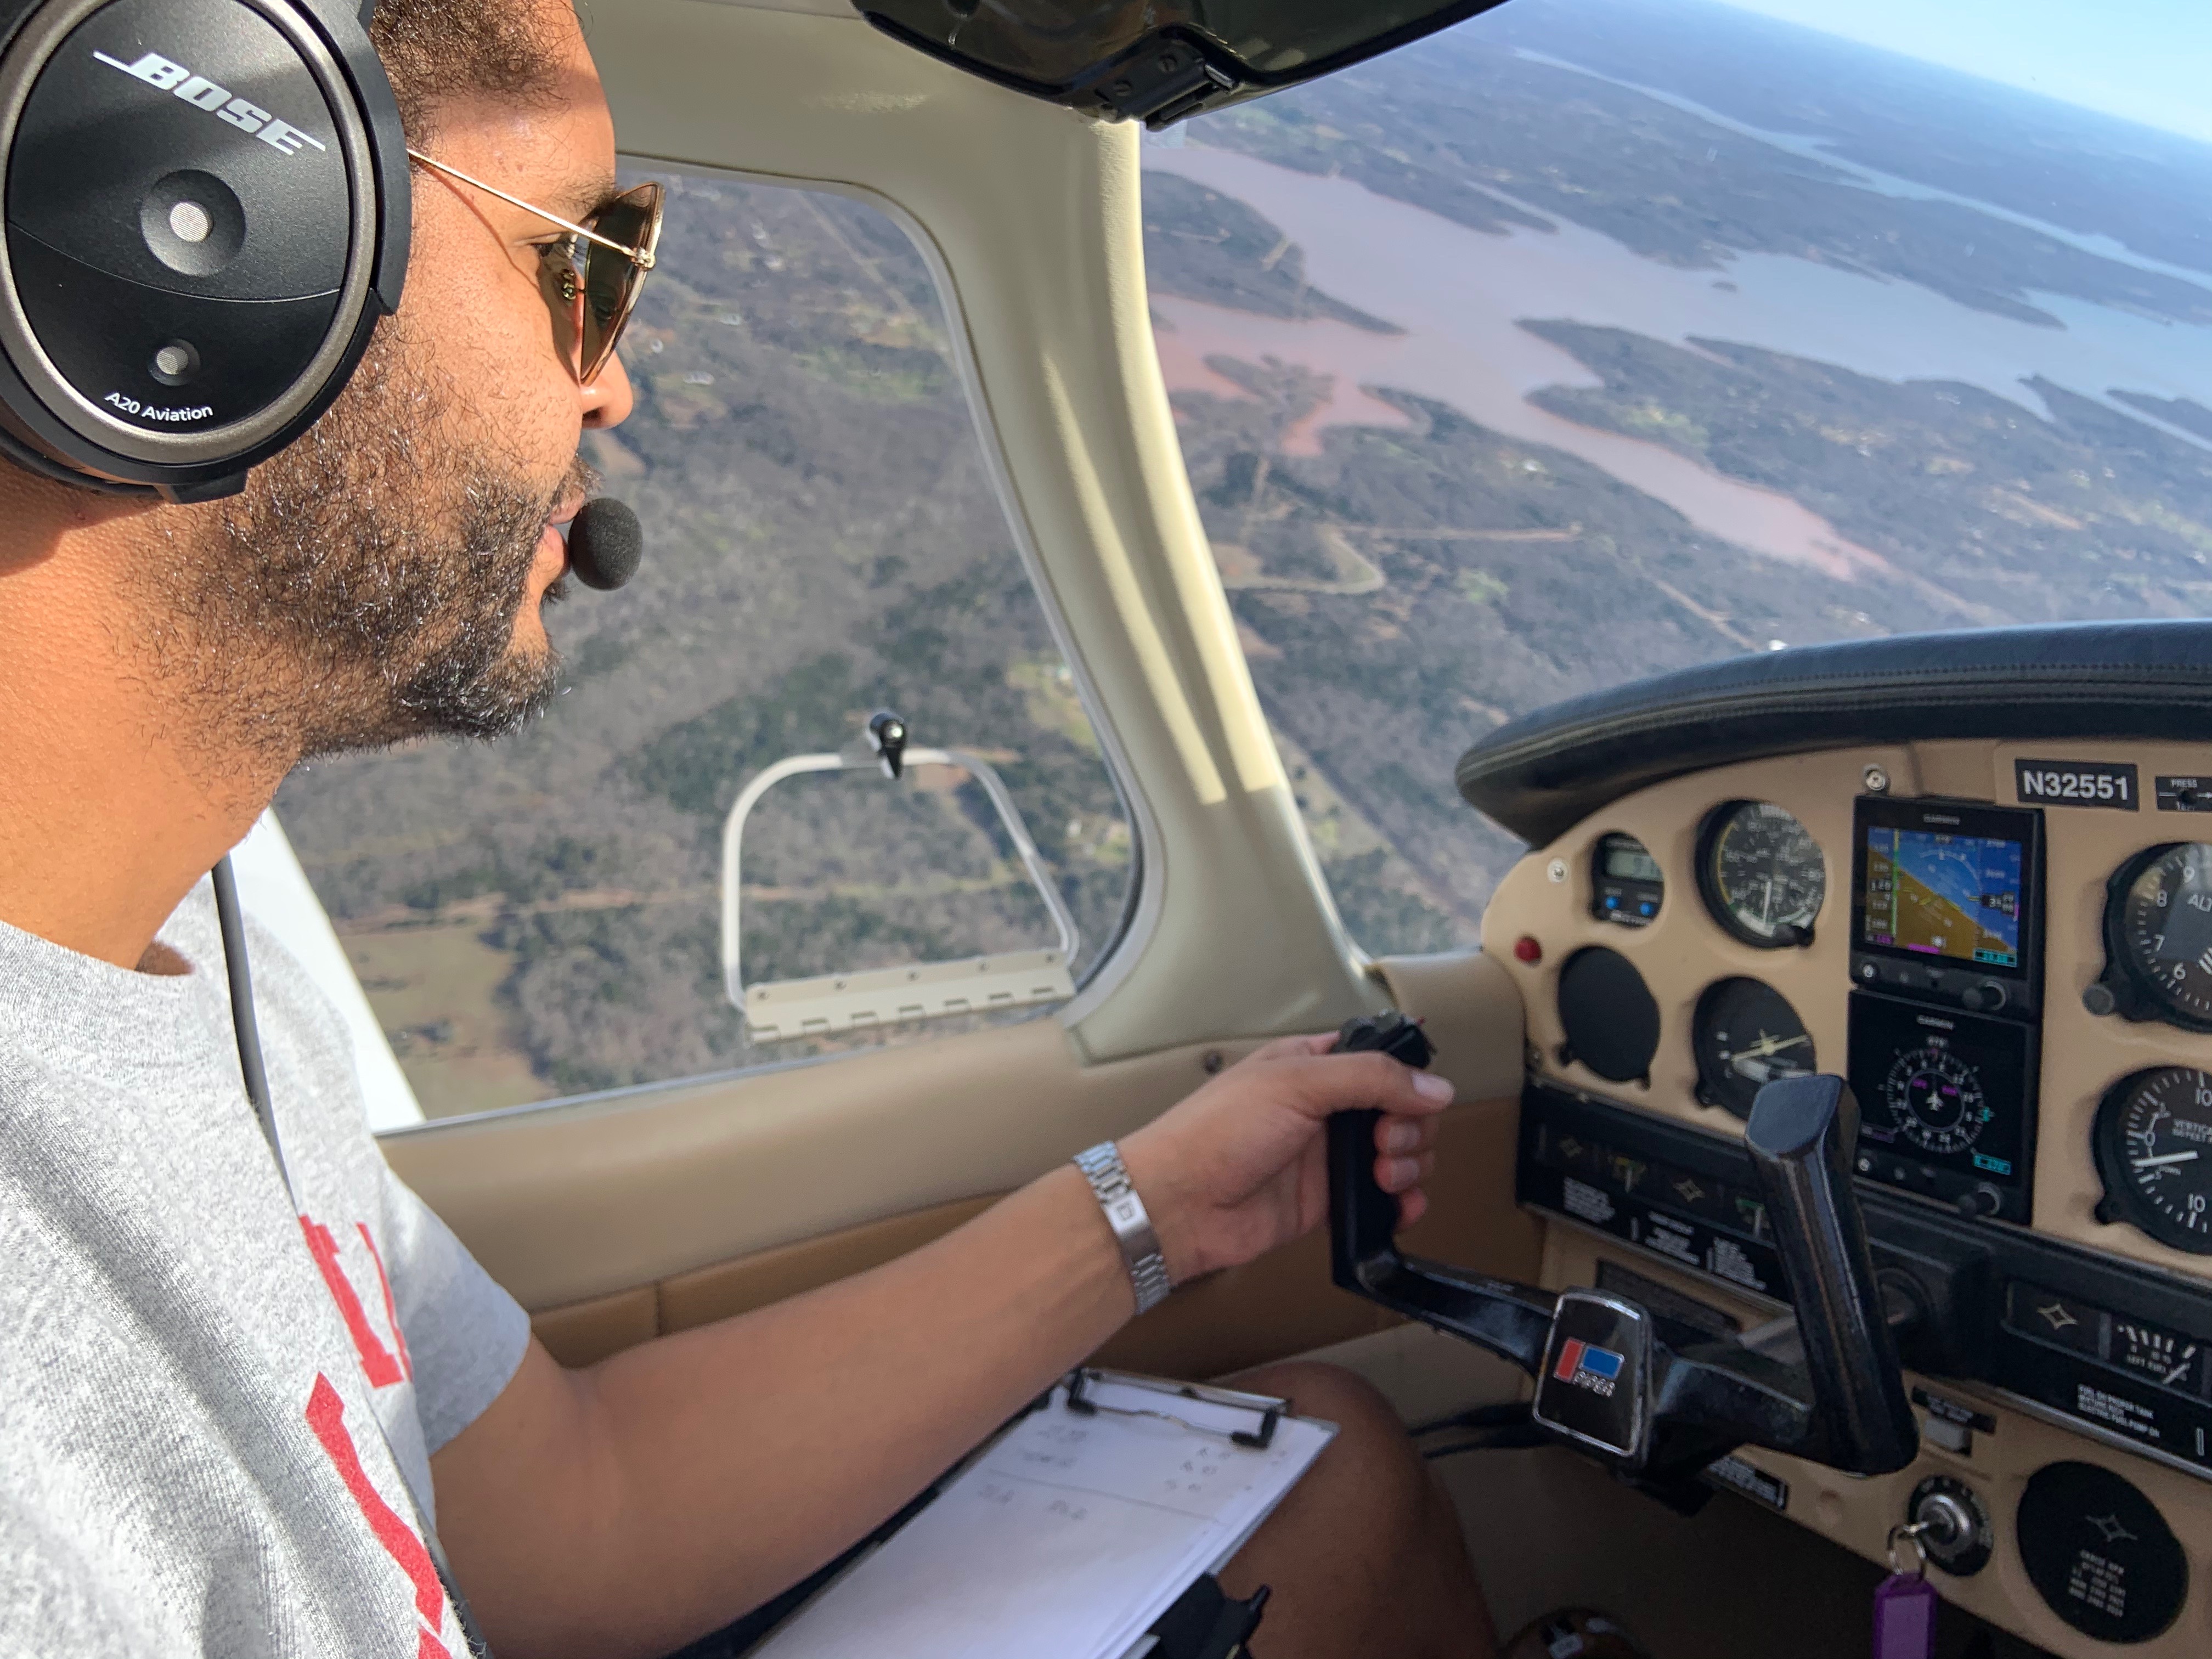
{"x":1942,"y":895}
{"x":1625,"y":860}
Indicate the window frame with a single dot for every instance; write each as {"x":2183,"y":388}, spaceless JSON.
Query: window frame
{"x":1125,"y":939}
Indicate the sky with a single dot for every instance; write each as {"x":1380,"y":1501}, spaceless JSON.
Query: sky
{"x":2146,"y":60}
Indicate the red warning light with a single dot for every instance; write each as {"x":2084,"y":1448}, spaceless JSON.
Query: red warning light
{"x":1527,"y":949}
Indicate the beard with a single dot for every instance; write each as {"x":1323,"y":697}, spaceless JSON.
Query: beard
{"x":364,"y":588}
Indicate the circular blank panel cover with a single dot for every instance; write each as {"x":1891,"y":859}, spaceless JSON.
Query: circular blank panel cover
{"x":2100,"y":1553}
{"x":1611,"y":1021}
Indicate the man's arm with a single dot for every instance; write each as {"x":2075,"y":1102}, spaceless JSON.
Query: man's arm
{"x":627,"y":1509}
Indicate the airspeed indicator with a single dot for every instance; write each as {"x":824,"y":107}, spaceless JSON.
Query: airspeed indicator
{"x":1760,"y":873}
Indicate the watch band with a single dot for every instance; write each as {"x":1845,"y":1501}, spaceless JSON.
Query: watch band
{"x":1102,"y":1168}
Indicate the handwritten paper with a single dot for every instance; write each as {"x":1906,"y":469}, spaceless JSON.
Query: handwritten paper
{"x":1068,"y":1536}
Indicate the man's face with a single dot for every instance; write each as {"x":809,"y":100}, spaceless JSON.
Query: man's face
{"x":385,"y":577}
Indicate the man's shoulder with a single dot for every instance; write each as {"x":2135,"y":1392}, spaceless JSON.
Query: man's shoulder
{"x":299,"y":1025}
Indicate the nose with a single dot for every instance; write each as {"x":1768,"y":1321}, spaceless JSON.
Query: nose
{"x":608,"y":400}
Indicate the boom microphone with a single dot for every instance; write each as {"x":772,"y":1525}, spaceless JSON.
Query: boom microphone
{"x":605,"y":542}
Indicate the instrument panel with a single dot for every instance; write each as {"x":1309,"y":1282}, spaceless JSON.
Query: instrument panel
{"x":2007,"y":950}
{"x":2017,"y":980}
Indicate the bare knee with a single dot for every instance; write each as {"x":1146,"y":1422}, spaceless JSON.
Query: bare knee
{"x":1329,"y":1392}
{"x":1370,"y":1467}
{"x":1364,"y":1555}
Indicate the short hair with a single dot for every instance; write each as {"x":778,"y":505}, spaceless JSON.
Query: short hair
{"x":435,"y":51}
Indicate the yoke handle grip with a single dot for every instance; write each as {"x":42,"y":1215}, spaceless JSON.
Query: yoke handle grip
{"x":1363,"y":1218}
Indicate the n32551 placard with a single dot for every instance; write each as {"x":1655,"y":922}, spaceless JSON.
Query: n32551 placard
{"x":2077,"y":783}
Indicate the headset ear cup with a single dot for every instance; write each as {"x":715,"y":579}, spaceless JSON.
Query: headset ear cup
{"x":207,"y":210}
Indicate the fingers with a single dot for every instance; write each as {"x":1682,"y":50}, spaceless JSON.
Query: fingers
{"x":1402,"y":1175}
{"x":1403,"y":1135}
{"x":1294,"y":1047}
{"x":1338,"y":1083}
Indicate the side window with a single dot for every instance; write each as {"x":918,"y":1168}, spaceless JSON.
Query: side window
{"x":1586,"y":340}
{"x":542,"y":917}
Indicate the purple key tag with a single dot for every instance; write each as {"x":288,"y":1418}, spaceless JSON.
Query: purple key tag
{"x":1905,"y":1604}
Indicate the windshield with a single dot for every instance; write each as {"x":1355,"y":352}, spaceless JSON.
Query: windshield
{"x":1592,"y":338}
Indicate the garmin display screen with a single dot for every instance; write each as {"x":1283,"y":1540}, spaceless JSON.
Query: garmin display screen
{"x":1939,"y":895}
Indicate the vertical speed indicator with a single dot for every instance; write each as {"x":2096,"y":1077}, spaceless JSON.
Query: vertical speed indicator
{"x":2154,"y":1140}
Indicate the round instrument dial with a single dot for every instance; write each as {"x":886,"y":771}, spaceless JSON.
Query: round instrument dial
{"x":2154,"y":1140}
{"x":1935,"y":1099}
{"x":1745,"y":1035}
{"x":1761,"y":873}
{"x":2158,"y":929}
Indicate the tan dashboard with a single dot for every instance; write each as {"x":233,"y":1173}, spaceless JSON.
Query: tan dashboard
{"x":1546,"y":898}
{"x":2001,"y":1449}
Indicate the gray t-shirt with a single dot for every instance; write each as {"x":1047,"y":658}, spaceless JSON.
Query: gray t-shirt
{"x":187,"y":1367}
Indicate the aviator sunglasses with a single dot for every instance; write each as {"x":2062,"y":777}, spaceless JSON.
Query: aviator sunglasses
{"x":591,"y":277}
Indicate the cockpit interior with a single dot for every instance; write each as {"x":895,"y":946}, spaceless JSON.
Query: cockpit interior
{"x":1662,"y":541}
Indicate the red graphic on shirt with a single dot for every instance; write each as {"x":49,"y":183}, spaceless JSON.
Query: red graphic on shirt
{"x":327,"y":1416}
{"x":390,"y":1312}
{"x":377,"y":1363}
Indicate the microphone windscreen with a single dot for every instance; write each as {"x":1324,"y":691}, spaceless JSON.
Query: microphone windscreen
{"x":605,"y":542}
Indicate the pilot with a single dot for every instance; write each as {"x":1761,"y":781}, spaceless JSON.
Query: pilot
{"x":230,"y":1423}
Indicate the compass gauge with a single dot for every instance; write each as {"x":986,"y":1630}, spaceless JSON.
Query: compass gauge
{"x":2154,"y":1140}
{"x":1935,"y":1099}
{"x":1746,"y":1035}
{"x":1761,"y":873}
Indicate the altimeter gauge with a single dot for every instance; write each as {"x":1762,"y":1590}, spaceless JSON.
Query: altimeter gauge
{"x":2153,"y":1141}
{"x":1934,"y":1098}
{"x":1761,"y":873}
{"x":2158,"y":939}
{"x":1745,"y":1035}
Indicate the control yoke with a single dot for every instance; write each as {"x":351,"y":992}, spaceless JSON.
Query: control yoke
{"x":1656,"y":1398}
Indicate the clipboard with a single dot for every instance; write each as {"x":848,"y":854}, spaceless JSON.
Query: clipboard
{"x":1090,"y":1526}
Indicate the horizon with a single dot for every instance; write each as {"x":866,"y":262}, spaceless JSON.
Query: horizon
{"x":2135,"y":60}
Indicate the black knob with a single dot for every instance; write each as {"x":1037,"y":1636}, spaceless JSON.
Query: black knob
{"x":2098,"y":999}
{"x":1980,"y":1200}
{"x":1984,"y":997}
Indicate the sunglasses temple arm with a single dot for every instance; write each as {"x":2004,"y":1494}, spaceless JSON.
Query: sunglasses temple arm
{"x":639,"y":257}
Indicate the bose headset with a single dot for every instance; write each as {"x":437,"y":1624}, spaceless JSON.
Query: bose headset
{"x":207,"y":211}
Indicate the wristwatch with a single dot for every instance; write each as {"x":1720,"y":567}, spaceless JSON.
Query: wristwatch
{"x":1102,"y":1168}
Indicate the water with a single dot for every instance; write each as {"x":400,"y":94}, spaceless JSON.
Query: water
{"x":1460,"y":293}
{"x":1822,"y":151}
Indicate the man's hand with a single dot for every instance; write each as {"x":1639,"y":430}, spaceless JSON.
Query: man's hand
{"x":1241,"y":1167}
{"x":622,"y":1511}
